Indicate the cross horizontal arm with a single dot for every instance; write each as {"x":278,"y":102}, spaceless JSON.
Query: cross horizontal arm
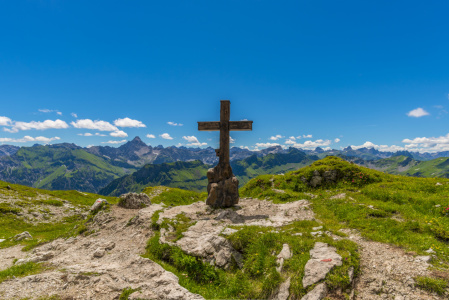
{"x":240,"y":125}
{"x":208,"y":126}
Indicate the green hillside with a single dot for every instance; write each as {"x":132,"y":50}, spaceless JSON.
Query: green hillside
{"x":38,"y":211}
{"x":405,"y":211}
{"x":62,"y":167}
{"x":193,"y":175}
{"x":185,"y":175}
{"x":438,"y":167}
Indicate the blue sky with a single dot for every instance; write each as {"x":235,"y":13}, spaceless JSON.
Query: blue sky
{"x":328,"y":73}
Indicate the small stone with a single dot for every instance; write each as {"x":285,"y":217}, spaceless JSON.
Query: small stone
{"x":317,"y":233}
{"x":22,"y":236}
{"x":438,"y":205}
{"x":283,"y":293}
{"x":425,"y":259}
{"x":438,"y":183}
{"x":100,"y":252}
{"x":109,"y":246}
{"x":99,"y":203}
{"x":8,"y":187}
{"x":134,"y":200}
{"x":317,"y":228}
{"x":297,"y":234}
{"x":430,"y":250}
{"x":2,"y":240}
{"x":339,"y":196}
{"x":318,"y":293}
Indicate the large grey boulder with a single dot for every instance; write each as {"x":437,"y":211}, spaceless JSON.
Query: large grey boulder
{"x":323,"y":259}
{"x":134,"y":200}
{"x":223,"y":187}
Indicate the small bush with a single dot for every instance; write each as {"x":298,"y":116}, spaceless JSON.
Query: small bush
{"x":5,"y":208}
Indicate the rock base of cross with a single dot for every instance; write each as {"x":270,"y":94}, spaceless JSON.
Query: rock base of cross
{"x":223,"y":187}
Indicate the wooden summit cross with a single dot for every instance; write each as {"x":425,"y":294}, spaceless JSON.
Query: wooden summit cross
{"x":223,"y":186}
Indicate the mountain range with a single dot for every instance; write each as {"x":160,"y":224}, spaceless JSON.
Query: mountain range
{"x":106,"y":169}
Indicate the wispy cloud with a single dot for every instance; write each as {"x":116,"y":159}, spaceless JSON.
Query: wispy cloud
{"x":94,"y":125}
{"x":47,"y":124}
{"x":114,"y":142}
{"x":28,"y":138}
{"x":127,"y":122}
{"x":266,"y":145}
{"x":175,"y":124}
{"x":276,"y":137}
{"x":74,"y":115}
{"x":151,"y":136}
{"x":166,"y":136}
{"x":337,"y":140}
{"x":308,"y":144}
{"x":417,"y":113}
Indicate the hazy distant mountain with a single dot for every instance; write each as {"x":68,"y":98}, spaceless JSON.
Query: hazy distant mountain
{"x":7,"y":150}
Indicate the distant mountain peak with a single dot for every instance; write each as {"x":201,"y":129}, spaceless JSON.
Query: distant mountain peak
{"x":349,"y":148}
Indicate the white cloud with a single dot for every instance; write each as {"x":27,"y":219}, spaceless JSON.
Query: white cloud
{"x":266,"y":145}
{"x":114,"y":142}
{"x":47,"y":124}
{"x":85,"y":134}
{"x":417,"y":113}
{"x":28,"y":138}
{"x":89,"y":146}
{"x":309,"y":144}
{"x":292,"y":138}
{"x":59,"y":113}
{"x":99,"y":134}
{"x":231,"y":140}
{"x":118,"y":133}
{"x":175,"y":124}
{"x":95,"y":125}
{"x":151,"y":136}
{"x":337,"y":140}
{"x":244,"y":147}
{"x":45,"y":111}
{"x":74,"y":115}
{"x":5,"y":121}
{"x":127,"y":122}
{"x":193,"y":141}
{"x":276,"y":137}
{"x":166,"y":136}
{"x":307,"y":136}
{"x":384,"y":148}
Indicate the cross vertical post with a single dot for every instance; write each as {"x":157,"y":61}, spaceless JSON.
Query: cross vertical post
{"x":223,"y":188}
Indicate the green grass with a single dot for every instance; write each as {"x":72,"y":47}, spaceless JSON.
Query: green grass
{"x":126,"y":293}
{"x":432,"y":284}
{"x":180,"y":224}
{"x":20,"y":270}
{"x":174,"y":196}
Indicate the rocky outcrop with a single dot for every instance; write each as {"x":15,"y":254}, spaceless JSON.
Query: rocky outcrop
{"x":99,"y":203}
{"x":134,"y":200}
{"x":318,"y":293}
{"x":323,"y":259}
{"x":320,"y":178}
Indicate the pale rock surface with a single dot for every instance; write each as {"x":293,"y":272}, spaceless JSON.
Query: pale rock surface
{"x":98,"y":203}
{"x":134,"y":200}
{"x":283,"y":293}
{"x":282,"y":256}
{"x":318,"y":293}
{"x":339,"y":196}
{"x":76,"y":275}
{"x":318,"y":266}
{"x":22,"y":236}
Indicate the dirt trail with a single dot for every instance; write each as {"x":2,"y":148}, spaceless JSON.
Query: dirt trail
{"x":387,"y":272}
